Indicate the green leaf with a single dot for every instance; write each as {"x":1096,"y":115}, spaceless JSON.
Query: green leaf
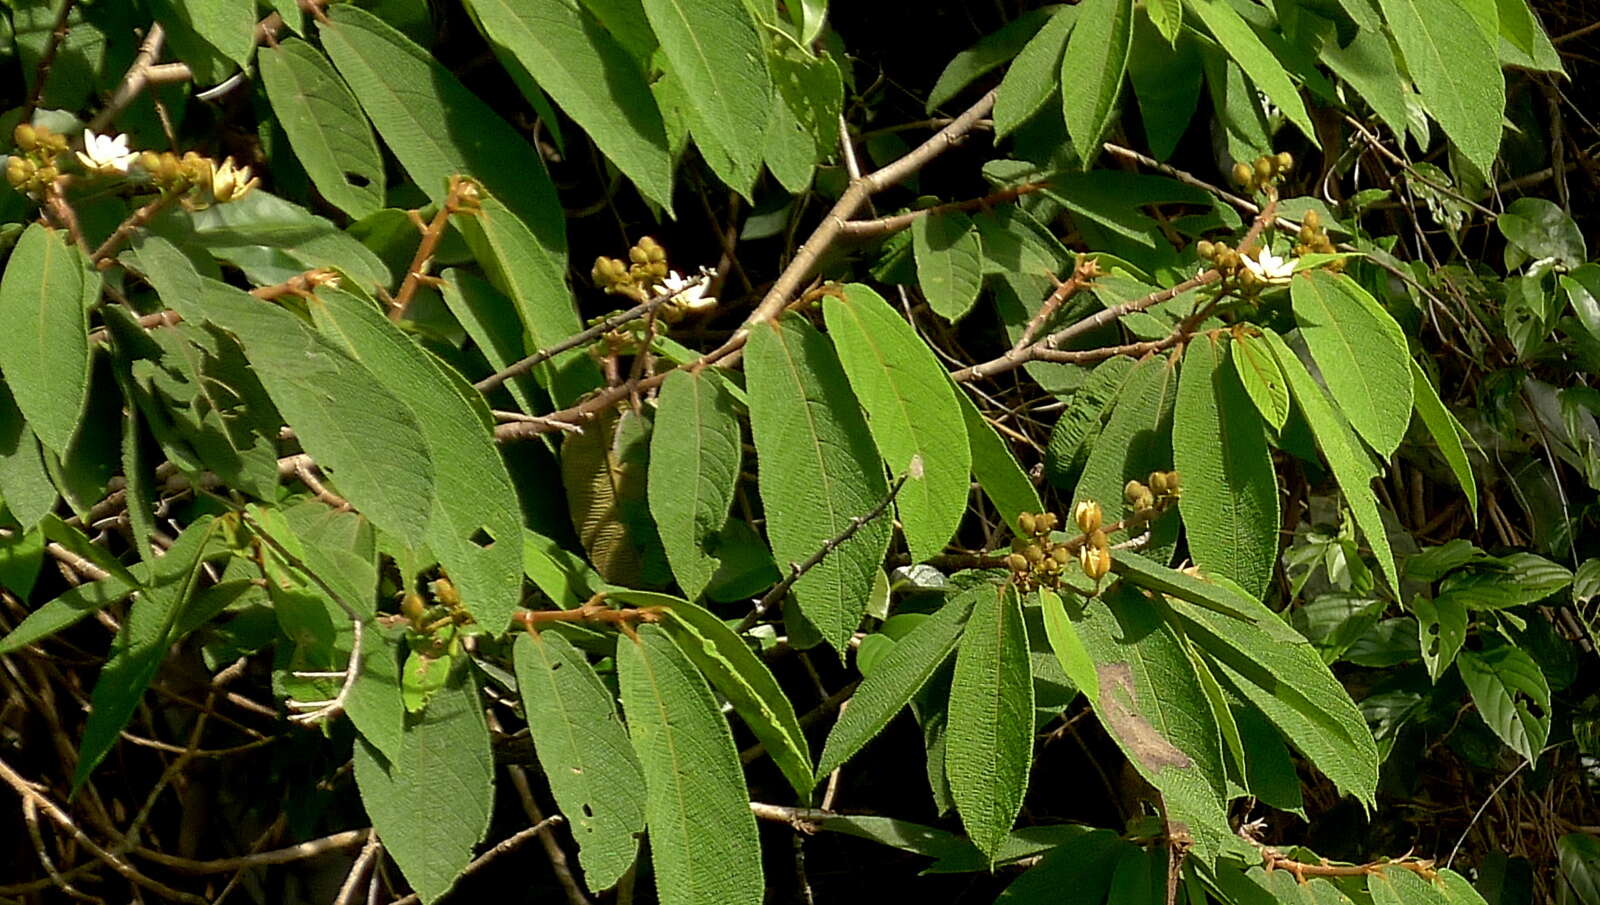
{"x":1441,"y":630}
{"x":138,"y":477}
{"x":584,"y":751}
{"x":804,"y":123}
{"x":990,"y":732}
{"x":714,"y":48}
{"x":741,"y":677}
{"x":1092,"y":69}
{"x":147,"y":633}
{"x":911,"y":410}
{"x":1511,"y":694}
{"x":990,"y":51}
{"x":1580,"y":867}
{"x":1513,"y":580}
{"x":694,"y":465}
{"x":227,"y":25}
{"x":25,"y":484}
{"x":1245,"y":47}
{"x":1457,"y":73}
{"x":1083,"y":864}
{"x":271,"y":240}
{"x":325,"y":126}
{"x":1351,"y":466}
{"x":1167,"y":15}
{"x":1446,"y":431}
{"x":896,"y":679}
{"x":1224,"y":599}
{"x":818,"y":472}
{"x":1361,"y":352}
{"x":431,"y":804}
{"x":348,"y":421}
{"x":1269,"y":772}
{"x":1230,"y":491}
{"x":45,"y":359}
{"x":1148,"y":699}
{"x":1542,"y":230}
{"x":1521,"y":34}
{"x":67,"y":609}
{"x":1368,"y":64}
{"x":1034,"y":74}
{"x":1167,"y":77}
{"x":1261,"y":377}
{"x":1136,"y":441}
{"x":1396,"y":885}
{"x":494,"y":324}
{"x":1079,"y":424}
{"x":594,"y":80}
{"x":1002,"y":479}
{"x":702,"y":835}
{"x":475,"y":527}
{"x":949,"y":257}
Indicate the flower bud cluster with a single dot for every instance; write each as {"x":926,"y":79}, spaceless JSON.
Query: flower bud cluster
{"x":1036,"y":560}
{"x":1266,"y":171}
{"x":646,"y":275}
{"x":1313,"y":239}
{"x":35,"y":162}
{"x":1149,"y":499}
{"x":201,"y":180}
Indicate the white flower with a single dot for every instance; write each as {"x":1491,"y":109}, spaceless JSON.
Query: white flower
{"x":105,"y":154}
{"x":1269,"y":268}
{"x":690,"y":295}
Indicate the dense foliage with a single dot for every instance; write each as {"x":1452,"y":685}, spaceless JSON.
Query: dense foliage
{"x":1136,"y":452}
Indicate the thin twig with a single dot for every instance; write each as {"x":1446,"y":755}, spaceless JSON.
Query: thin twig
{"x":462,"y":197}
{"x":509,"y":844}
{"x":883,"y":226}
{"x":41,"y":73}
{"x":292,"y":853}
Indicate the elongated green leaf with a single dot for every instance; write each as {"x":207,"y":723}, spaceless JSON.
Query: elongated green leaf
{"x":702,"y":835}
{"x":990,"y":736}
{"x":475,"y":528}
{"x":138,"y":492}
{"x":431,"y":804}
{"x":1441,"y":629}
{"x":896,"y":679}
{"x":1361,"y":353}
{"x":1148,"y":699}
{"x":1136,"y":441}
{"x":912,"y":411}
{"x":1151,"y":575}
{"x":271,"y":240}
{"x":45,"y":359}
{"x":1259,"y":374}
{"x":1580,"y":866}
{"x":226,"y":25}
{"x":1447,"y":432}
{"x":1522,"y":39}
{"x":694,"y":464}
{"x":1092,"y":68}
{"x":1456,"y":70}
{"x":818,"y":471}
{"x":367,"y":439}
{"x":949,"y":257}
{"x":1034,"y":74}
{"x":1167,"y":16}
{"x":990,"y":51}
{"x":1167,"y":77}
{"x":1081,"y":421}
{"x":741,"y":677}
{"x":141,"y":645}
{"x":1515,"y":579}
{"x":1230,"y":491}
{"x":493,"y":322}
{"x":1083,"y":864}
{"x":1244,"y":46}
{"x":592,"y":78}
{"x":804,"y":123}
{"x":325,"y":126}
{"x":1511,"y":693}
{"x":1396,"y":885}
{"x":584,"y":750}
{"x":25,"y":484}
{"x":715,"y":49}
{"x":1352,"y":467}
{"x":1275,"y":668}
{"x":1002,"y":479}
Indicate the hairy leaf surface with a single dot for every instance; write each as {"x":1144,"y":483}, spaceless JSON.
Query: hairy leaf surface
{"x":45,"y":358}
{"x":694,"y":465}
{"x":325,"y":126}
{"x":1361,"y":353}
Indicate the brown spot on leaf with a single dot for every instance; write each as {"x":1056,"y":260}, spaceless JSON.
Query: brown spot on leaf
{"x":1119,"y":710}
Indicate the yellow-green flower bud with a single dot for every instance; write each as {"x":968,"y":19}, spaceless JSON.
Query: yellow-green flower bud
{"x":1244,"y":175}
{"x":25,"y":136}
{"x":1027,"y":523}
{"x":1088,"y":516}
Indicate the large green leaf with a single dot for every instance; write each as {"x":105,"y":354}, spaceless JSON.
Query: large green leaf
{"x":1002,"y":479}
{"x":949,"y":255}
{"x":325,"y":126}
{"x":431,"y":804}
{"x":1230,"y":491}
{"x":741,"y":677}
{"x":592,"y":78}
{"x":1361,"y":353}
{"x":1512,"y":695}
{"x":694,"y":465}
{"x":989,"y":747}
{"x":1580,"y":868}
{"x":990,"y":51}
{"x":1397,"y":885}
{"x":1262,"y":379}
{"x":226,"y":25}
{"x":1075,"y":430}
{"x":1446,"y":431}
{"x":1167,"y":78}
{"x":1148,"y":699}
{"x":1083,"y":864}
{"x":702,"y":835}
{"x":584,"y":751}
{"x":367,"y":439}
{"x":1457,"y":72}
{"x":1092,"y":69}
{"x":493,"y":322}
{"x":804,"y":123}
{"x":45,"y":359}
{"x":147,"y":633}
{"x":1351,"y":465}
{"x":1367,"y":62}
{"x":476,"y":527}
{"x":1034,"y":74}
{"x":25,"y":484}
{"x":896,"y":679}
{"x":911,"y":410}
{"x":1245,"y":47}
{"x":715,"y":49}
{"x":1136,"y":441}
{"x":818,"y":471}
